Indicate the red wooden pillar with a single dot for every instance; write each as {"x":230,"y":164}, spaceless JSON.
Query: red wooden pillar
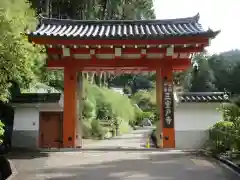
{"x":159,"y":105}
{"x":167,"y":108}
{"x":79,"y":89}
{"x":70,"y":107}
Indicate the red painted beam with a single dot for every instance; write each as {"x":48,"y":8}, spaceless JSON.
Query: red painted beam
{"x":126,"y":50}
{"x":121,"y":63}
{"x":127,"y":69}
{"x":169,"y":40}
{"x":116,"y":69}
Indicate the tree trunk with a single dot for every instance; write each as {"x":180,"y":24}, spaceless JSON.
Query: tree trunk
{"x":104,"y":3}
{"x":92,"y":78}
{"x":47,"y":8}
{"x":104,"y":79}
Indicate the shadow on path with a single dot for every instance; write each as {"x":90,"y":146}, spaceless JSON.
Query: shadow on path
{"x":22,"y":153}
{"x":147,"y":167}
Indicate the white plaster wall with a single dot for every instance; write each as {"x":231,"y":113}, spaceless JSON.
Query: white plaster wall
{"x":192,"y":121}
{"x":196,"y":116}
{"x":26,"y":119}
{"x":26,"y":123}
{"x":25,"y":127}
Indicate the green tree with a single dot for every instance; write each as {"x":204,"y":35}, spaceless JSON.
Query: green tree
{"x":226,"y":68}
{"x":17,"y":56}
{"x":222,"y":71}
{"x":201,"y":79}
{"x":146,"y":100}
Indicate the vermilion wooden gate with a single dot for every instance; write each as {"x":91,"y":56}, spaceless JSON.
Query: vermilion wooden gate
{"x":125,"y":46}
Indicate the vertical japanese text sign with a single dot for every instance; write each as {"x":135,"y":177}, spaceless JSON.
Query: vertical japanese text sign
{"x":168,"y":105}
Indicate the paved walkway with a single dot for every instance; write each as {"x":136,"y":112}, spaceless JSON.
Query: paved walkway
{"x":135,"y":140}
{"x":118,"y":165}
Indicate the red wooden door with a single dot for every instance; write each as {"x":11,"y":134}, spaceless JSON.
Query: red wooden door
{"x":50,"y":130}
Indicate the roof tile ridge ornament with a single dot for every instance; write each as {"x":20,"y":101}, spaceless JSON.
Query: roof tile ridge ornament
{"x":211,"y":30}
{"x":208,"y":29}
{"x":196,"y":17}
{"x":216,"y":32}
{"x":226,"y":94}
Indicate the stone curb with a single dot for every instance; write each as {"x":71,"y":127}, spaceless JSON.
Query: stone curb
{"x":224,"y":161}
{"x":118,"y":149}
{"x":229,"y":163}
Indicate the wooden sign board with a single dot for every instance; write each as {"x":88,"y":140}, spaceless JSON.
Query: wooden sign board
{"x":168,"y":105}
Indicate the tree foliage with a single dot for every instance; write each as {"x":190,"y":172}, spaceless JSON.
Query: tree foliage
{"x":215,"y":73}
{"x":96,"y":9}
{"x":18,"y":58}
{"x":201,"y":79}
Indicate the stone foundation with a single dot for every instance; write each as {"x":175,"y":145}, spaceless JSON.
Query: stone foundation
{"x":25,"y":139}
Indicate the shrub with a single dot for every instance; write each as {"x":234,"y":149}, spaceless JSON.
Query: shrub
{"x":146,"y":100}
{"x":86,"y":128}
{"x":127,"y":90}
{"x":97,"y":130}
{"x":231,"y":112}
{"x":89,"y":111}
{"x":140,"y":116}
{"x":225,"y":135}
{"x":148,"y":115}
{"x":104,"y":110}
{"x":222,"y":136}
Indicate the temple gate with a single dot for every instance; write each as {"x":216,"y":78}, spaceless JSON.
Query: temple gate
{"x":125,"y":46}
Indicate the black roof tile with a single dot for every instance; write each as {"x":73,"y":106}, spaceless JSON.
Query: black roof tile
{"x":37,"y":98}
{"x":204,"y":97}
{"x":123,"y":29}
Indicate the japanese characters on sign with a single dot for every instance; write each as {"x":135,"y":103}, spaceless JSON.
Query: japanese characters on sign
{"x":168,"y":105}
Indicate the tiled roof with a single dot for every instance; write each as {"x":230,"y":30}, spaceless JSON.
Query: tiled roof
{"x":123,"y":29}
{"x":204,"y":97}
{"x":37,"y":98}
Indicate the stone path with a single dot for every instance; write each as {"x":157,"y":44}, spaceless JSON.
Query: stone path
{"x":135,"y":140}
